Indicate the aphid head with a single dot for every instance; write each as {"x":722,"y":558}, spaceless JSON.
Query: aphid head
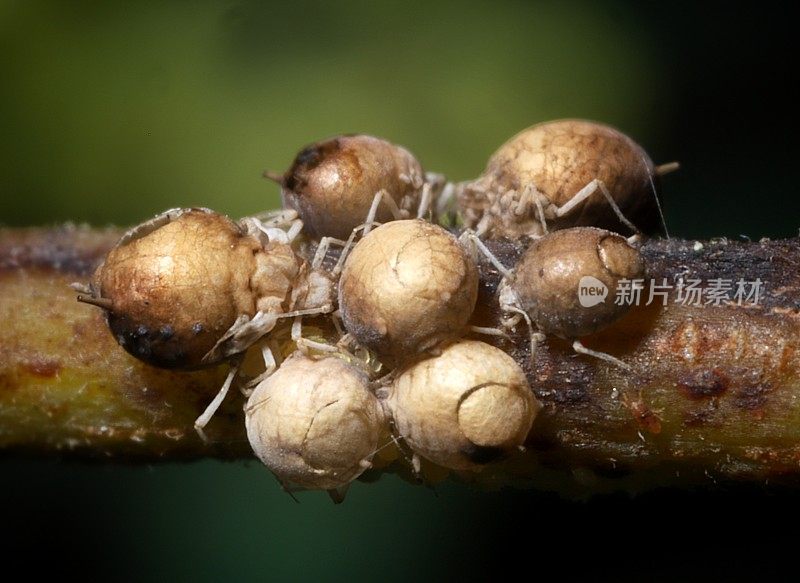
{"x":332,"y":183}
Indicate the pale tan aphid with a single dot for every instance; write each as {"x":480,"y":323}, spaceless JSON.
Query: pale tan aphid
{"x":464,"y":408}
{"x":337,"y":184}
{"x":562,"y":174}
{"x":406,"y":288}
{"x":191,"y":288}
{"x":546,"y":284}
{"x":314,"y":422}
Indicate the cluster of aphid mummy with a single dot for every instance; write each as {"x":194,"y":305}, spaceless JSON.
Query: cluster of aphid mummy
{"x":359,"y":247}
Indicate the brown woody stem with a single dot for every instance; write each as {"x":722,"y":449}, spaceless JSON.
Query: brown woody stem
{"x":714,"y":390}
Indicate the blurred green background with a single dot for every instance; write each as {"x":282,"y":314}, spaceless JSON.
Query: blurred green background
{"x":112,"y":111}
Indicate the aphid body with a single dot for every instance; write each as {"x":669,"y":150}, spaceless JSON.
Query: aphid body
{"x":562,"y":174}
{"x":406,"y":288}
{"x":314,"y":422}
{"x":464,"y":408}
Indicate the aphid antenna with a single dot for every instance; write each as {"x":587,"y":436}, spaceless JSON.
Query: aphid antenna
{"x":661,"y":171}
{"x":206,"y":416}
{"x":104,"y":303}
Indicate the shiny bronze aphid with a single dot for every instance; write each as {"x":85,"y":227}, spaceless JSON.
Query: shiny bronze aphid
{"x":336,"y":183}
{"x":406,"y":288}
{"x":561,"y":275}
{"x":566,"y":284}
{"x":191,"y":288}
{"x":464,"y":408}
{"x":563,"y":174}
{"x":174,"y":286}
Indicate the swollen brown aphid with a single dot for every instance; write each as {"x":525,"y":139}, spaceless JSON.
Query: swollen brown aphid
{"x":338,"y":184}
{"x":406,"y":288}
{"x":566,"y":284}
{"x":172,"y":287}
{"x":464,"y":408}
{"x":192,"y":288}
{"x":315,"y":423}
{"x":562,"y":174}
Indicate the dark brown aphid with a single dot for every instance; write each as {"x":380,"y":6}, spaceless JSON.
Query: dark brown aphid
{"x":338,"y":184}
{"x":566,"y":284}
{"x":563,"y":174}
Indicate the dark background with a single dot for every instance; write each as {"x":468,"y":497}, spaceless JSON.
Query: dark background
{"x":113,"y":111}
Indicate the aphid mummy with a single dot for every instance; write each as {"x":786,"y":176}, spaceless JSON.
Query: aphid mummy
{"x":464,"y":408}
{"x":337,"y":184}
{"x":314,"y":422}
{"x":407,"y":287}
{"x":563,"y":174}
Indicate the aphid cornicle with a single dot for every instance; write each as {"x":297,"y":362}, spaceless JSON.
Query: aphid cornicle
{"x":314,"y":422}
{"x":563,"y":174}
{"x":406,"y":288}
{"x":544,"y":285}
{"x":464,"y":408}
{"x":338,"y":184}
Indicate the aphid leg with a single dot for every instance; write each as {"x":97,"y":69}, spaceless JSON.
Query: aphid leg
{"x":271,"y":366}
{"x":489,"y":331}
{"x":425,"y":201}
{"x":206,"y":416}
{"x":581,"y":349}
{"x":279,"y":232}
{"x":348,"y":245}
{"x":322,"y":250}
{"x":242,"y":335}
{"x":536,"y":337}
{"x":445,"y":201}
{"x":336,"y":319}
{"x":587,"y":191}
{"x":540,"y":210}
{"x":304,"y":344}
{"x":384,"y":196}
{"x":432,"y":190}
{"x":476,"y":243}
